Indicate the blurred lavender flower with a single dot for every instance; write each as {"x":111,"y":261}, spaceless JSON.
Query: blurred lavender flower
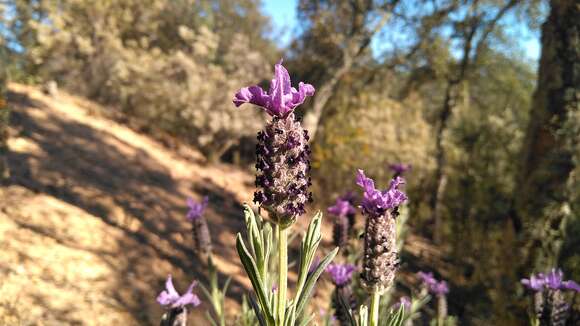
{"x":281,"y":98}
{"x":380,"y":260}
{"x":200,"y":230}
{"x":341,"y":208}
{"x":553,"y":280}
{"x":171,"y":299}
{"x":196,"y":209}
{"x":283,"y":154}
{"x":432,"y":285}
{"x":403,"y":301}
{"x":400,"y":168}
{"x":341,"y":274}
{"x":341,"y":226}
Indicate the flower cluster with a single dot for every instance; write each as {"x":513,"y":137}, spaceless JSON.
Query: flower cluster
{"x":432,"y":285}
{"x":282,"y":151}
{"x":380,"y":259}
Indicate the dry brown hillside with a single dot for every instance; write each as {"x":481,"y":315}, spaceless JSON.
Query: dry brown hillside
{"x":93,"y":219}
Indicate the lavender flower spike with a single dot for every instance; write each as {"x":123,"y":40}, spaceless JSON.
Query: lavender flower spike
{"x":341,"y":274}
{"x":438,"y":288}
{"x":200,"y":230}
{"x":281,"y":98}
{"x":380,"y":259}
{"x":283,"y":154}
{"x":171,"y":299}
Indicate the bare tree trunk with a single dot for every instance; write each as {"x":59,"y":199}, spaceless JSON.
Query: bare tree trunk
{"x":550,"y":144}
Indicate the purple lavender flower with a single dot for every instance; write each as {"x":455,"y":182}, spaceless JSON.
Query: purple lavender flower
{"x":571,"y":285}
{"x":283,"y":154}
{"x":341,"y":208}
{"x":400,"y":168}
{"x":341,"y":274}
{"x":281,"y":98}
{"x":196,"y":209}
{"x":403,"y":301}
{"x":438,"y":288}
{"x":376,"y":202}
{"x":171,"y":299}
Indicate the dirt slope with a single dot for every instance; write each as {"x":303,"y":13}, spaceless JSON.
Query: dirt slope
{"x":93,"y":219}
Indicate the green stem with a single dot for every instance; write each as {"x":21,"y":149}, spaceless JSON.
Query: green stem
{"x":282,"y":272}
{"x":374,"y":315}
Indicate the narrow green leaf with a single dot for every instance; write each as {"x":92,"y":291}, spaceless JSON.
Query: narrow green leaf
{"x":311,"y":281}
{"x":306,"y":321}
{"x":252,"y":272}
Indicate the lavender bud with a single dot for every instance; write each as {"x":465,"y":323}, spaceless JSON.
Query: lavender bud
{"x":441,"y":307}
{"x":343,"y":302}
{"x":380,"y":260}
{"x":282,"y":173}
{"x":559,"y":309}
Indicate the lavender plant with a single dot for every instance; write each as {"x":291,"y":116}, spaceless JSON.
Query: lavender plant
{"x":283,"y":165}
{"x":439,"y":289}
{"x":551,"y":307}
{"x":176,"y":303}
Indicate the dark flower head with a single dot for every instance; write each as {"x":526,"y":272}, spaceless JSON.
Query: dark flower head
{"x":341,"y":208}
{"x":341,"y":274}
{"x":432,"y":285}
{"x":281,"y":98}
{"x":400,"y":168}
{"x":535,"y":282}
{"x":375,"y":202}
{"x":196,"y":209}
{"x":171,"y":299}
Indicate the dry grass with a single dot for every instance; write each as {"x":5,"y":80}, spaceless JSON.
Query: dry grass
{"x":93,"y":219}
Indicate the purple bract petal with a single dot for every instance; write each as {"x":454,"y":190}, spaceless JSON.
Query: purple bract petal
{"x":170,"y":298}
{"x":196,"y":209}
{"x":554,"y":279}
{"x":535,"y":282}
{"x":281,"y":98}
{"x":571,"y":285}
{"x":376,"y":201}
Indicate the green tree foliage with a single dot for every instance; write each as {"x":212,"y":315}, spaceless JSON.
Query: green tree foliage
{"x":172,"y":64}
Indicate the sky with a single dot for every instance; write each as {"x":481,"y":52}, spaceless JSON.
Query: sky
{"x":284,"y":20}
